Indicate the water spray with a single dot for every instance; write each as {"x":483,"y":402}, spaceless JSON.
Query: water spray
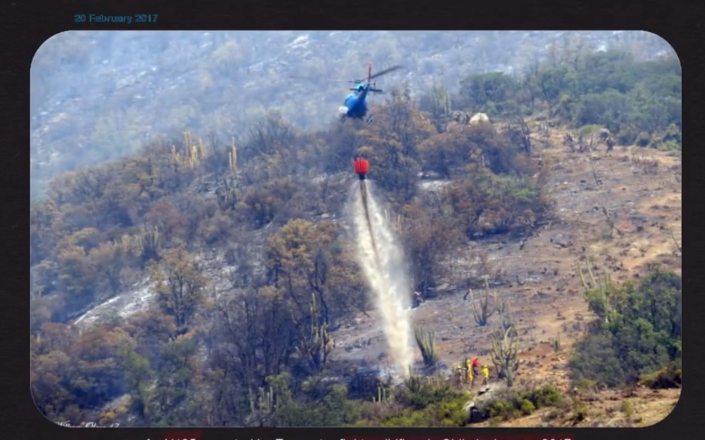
{"x":382,"y":263}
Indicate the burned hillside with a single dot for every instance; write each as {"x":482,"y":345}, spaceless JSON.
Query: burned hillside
{"x":208,"y":280}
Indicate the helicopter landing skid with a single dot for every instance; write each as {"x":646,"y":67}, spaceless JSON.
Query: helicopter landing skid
{"x":369,"y":119}
{"x":342,"y":118}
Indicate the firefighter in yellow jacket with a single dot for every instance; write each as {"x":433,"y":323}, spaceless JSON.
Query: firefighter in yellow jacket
{"x":486,"y":374}
{"x":468,"y":368}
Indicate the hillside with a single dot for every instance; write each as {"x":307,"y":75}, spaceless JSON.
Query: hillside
{"x":97,"y":96}
{"x":540,"y":276}
{"x":206,"y":280}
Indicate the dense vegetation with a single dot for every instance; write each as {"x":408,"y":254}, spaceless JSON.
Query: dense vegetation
{"x":256,"y":351}
{"x":514,"y":404}
{"x":638,"y":335}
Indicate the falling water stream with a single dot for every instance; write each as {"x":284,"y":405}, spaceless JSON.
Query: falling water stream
{"x":382,"y":262}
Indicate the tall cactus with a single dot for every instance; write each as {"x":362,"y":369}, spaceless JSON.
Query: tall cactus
{"x":413,"y":382}
{"x":232,"y":156}
{"x":440,"y":106}
{"x":485,"y":309}
{"x":192,"y":156}
{"x":149,"y":241}
{"x":197,"y":152}
{"x":505,"y":354}
{"x":175,"y":159}
{"x":227,"y":194}
{"x":383,"y":395}
{"x":506,"y":321}
{"x":441,"y":101}
{"x":556,"y":343}
{"x":262,"y":406}
{"x":426,"y":341}
{"x":597,"y":292}
{"x":317,"y":343}
{"x":202,"y":150}
{"x":129,"y":243}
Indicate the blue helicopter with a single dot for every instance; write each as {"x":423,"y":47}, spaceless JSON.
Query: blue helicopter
{"x":355,"y":105}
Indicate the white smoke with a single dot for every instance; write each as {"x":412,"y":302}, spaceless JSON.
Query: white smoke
{"x":387,"y":278}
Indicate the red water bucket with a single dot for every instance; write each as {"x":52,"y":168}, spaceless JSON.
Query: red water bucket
{"x":361,"y":166}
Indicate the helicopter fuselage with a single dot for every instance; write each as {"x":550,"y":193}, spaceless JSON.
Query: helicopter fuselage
{"x":356,"y":103}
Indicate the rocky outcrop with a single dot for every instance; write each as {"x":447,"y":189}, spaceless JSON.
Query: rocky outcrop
{"x":478,"y":118}
{"x":475,"y":408}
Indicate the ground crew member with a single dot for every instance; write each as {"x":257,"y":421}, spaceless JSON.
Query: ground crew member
{"x":486,"y":374}
{"x":459,"y":369}
{"x":469,"y":374}
{"x":476,"y":366}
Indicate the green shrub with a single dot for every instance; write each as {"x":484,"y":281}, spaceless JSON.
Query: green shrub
{"x":446,"y":411}
{"x":627,"y":408}
{"x":667,"y":377}
{"x":496,"y":204}
{"x":502,"y":409}
{"x":527,"y":407}
{"x":643,"y":139}
{"x":548,"y":395}
{"x":668,"y":146}
{"x":579,"y":414}
{"x":673,"y":133}
{"x":638,"y":332}
{"x":627,"y":135}
{"x":584,"y":364}
{"x":514,"y":404}
{"x":585,"y":385}
{"x":428,"y":394}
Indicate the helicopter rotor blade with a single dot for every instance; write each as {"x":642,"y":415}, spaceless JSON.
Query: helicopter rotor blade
{"x":311,"y":78}
{"x":385,"y":71}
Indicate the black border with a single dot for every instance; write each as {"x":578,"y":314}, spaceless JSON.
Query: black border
{"x":25,"y":27}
